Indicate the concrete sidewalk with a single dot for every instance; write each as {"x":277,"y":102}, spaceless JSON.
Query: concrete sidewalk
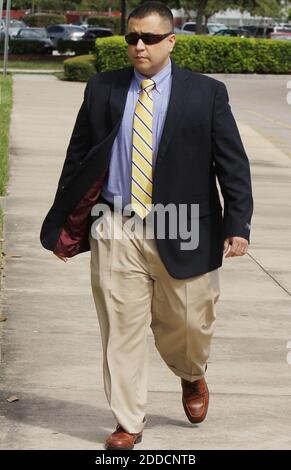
{"x":51,"y":347}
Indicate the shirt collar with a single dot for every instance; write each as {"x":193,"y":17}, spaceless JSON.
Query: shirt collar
{"x":160,"y":78}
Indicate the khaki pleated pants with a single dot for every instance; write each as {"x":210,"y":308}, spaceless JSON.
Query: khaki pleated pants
{"x":133,"y":292}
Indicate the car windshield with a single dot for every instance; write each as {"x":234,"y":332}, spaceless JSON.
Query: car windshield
{"x":212,"y":28}
{"x":14,"y":23}
{"x":75,"y":29}
{"x":190,"y":27}
{"x":32,"y":33}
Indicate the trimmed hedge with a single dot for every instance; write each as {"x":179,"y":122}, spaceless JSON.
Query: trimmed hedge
{"x":208,"y":54}
{"x":80,"y":68}
{"x":111,"y":54}
{"x":111,"y":22}
{"x":43,"y":20}
{"x":203,"y":54}
{"x":24,"y":46}
{"x":79,"y":47}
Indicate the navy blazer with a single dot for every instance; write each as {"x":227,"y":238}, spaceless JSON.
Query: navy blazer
{"x":200,"y":145}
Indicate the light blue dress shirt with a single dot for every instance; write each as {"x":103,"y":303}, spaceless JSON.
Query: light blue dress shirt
{"x":118,"y":180}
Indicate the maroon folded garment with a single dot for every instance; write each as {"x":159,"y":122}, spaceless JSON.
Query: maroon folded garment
{"x":74,"y":235}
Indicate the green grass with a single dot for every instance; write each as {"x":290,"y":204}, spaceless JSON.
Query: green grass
{"x":23,"y":64}
{"x":5,"y":111}
{"x":59,"y":75}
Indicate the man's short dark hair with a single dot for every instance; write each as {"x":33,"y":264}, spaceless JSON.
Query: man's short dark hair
{"x":148,"y":8}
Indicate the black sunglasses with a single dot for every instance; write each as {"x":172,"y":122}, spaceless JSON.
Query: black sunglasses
{"x":147,"y":38}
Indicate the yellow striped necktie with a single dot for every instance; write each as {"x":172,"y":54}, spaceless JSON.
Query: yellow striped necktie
{"x":142,"y":151}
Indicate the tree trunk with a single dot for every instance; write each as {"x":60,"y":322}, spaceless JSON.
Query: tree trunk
{"x":123,"y":13}
{"x":201,"y":6}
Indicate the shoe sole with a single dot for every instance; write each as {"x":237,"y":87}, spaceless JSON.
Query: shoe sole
{"x":109,"y":447}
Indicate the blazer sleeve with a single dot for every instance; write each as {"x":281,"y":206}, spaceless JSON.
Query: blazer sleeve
{"x":80,"y":142}
{"x":232,"y":168}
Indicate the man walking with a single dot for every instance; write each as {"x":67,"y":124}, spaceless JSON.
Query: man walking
{"x":151,"y":135}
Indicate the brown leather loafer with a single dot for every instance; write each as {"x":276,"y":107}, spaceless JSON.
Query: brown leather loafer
{"x":122,"y":440}
{"x":195,"y":399}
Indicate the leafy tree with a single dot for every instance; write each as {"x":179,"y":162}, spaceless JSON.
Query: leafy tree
{"x":206,"y":8}
{"x":271,"y":8}
{"x":56,"y":5}
{"x":39,"y":5}
{"x":100,"y":5}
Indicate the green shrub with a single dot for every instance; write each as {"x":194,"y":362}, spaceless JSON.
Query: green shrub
{"x":111,"y":53}
{"x":208,"y":54}
{"x":79,"y":68}
{"x":79,"y":47}
{"x":275,"y":59}
{"x":43,"y":20}
{"x":23,"y":46}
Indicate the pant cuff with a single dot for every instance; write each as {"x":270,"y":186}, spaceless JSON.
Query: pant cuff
{"x":185,"y":375}
{"x":134,"y":429}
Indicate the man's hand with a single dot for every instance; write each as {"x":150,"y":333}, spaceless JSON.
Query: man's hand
{"x":63,"y":258}
{"x":235,"y":246}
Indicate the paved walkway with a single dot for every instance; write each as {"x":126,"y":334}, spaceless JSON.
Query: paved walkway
{"x":51,"y":348}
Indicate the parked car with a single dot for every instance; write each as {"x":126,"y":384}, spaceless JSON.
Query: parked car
{"x":282,"y":29}
{"x":64,"y":31}
{"x":13,"y":27}
{"x":265,"y":31}
{"x":38,"y":35}
{"x":258,"y":31}
{"x":82,"y":24}
{"x":214,"y":27}
{"x":242,"y":33}
{"x":97,"y":32}
{"x":283,"y":25}
{"x":281,"y":36}
{"x":188,"y":28}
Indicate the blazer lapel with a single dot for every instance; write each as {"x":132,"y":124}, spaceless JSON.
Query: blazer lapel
{"x":118,"y":95}
{"x":177,"y":102}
